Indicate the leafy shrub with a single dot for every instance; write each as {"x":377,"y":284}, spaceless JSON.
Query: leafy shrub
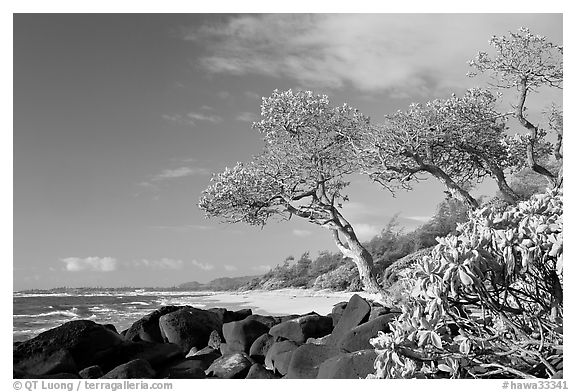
{"x":342,"y":278}
{"x":488,"y":301}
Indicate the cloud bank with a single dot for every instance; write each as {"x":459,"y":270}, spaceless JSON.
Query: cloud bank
{"x":101,"y":264}
{"x":397,"y":53}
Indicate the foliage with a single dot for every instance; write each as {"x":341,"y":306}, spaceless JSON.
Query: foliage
{"x":521,"y":56}
{"x":487,"y":302}
{"x":456,"y":140}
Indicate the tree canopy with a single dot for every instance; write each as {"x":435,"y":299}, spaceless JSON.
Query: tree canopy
{"x":302,"y":171}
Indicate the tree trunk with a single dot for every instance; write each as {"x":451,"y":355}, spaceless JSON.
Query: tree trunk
{"x":455,"y":190}
{"x":361,"y":257}
{"x":505,"y":189}
{"x":530,"y":158}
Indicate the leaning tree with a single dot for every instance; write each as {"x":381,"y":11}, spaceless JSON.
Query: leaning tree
{"x":528,"y":62}
{"x":456,"y":140}
{"x":302,"y":172}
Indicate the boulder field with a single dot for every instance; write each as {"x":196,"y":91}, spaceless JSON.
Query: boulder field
{"x":188,"y":343}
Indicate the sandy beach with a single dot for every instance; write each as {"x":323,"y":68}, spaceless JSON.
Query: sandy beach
{"x":289,"y":301}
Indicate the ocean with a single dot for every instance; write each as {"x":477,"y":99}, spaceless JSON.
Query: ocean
{"x":34,"y":313}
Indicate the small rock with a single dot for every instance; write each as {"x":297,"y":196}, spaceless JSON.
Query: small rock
{"x":234,"y":365}
{"x":137,"y":368}
{"x":91,"y":372}
{"x":319,"y":341}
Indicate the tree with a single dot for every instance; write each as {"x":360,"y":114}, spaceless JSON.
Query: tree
{"x":302,"y":172}
{"x":456,"y":140}
{"x":527,"y":62}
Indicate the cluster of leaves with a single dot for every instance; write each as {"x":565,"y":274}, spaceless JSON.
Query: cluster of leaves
{"x":521,"y":55}
{"x":487,"y":302}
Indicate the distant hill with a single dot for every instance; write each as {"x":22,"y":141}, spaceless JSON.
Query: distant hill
{"x":218,"y":284}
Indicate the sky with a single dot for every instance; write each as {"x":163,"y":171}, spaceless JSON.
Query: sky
{"x":120,"y":120}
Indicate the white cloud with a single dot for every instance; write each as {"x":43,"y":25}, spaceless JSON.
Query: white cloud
{"x":372,"y":52}
{"x":168,"y":264}
{"x":162,"y":264}
{"x":178,"y":119}
{"x":301,"y":233}
{"x":262,"y":268}
{"x":184,"y":171}
{"x":247,"y":117}
{"x":204,"y":117}
{"x":191,"y":118}
{"x":103,"y":264}
{"x":230,"y":268}
{"x":202,"y":266}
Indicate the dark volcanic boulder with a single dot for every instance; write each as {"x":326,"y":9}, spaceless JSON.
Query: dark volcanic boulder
{"x":239,"y":335}
{"x":156,"y":354}
{"x":147,"y":328}
{"x":359,"y":338}
{"x":268,"y":321}
{"x":227,"y":316}
{"x":67,"y":348}
{"x":356,"y":312}
{"x":91,"y":372}
{"x":353,"y":365}
{"x":307,"y":358}
{"x":137,"y":368}
{"x":257,"y":371}
{"x":234,"y":365}
{"x":59,"y":361}
{"x":189,"y":327}
{"x":337,"y":311}
{"x":302,"y":328}
{"x":260,"y":347}
{"x":279,"y":355}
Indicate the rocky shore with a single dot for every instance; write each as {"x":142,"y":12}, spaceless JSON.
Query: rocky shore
{"x":184,"y":342}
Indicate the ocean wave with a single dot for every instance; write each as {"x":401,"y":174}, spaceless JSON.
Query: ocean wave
{"x":179,"y":302}
{"x":137,"y":303}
